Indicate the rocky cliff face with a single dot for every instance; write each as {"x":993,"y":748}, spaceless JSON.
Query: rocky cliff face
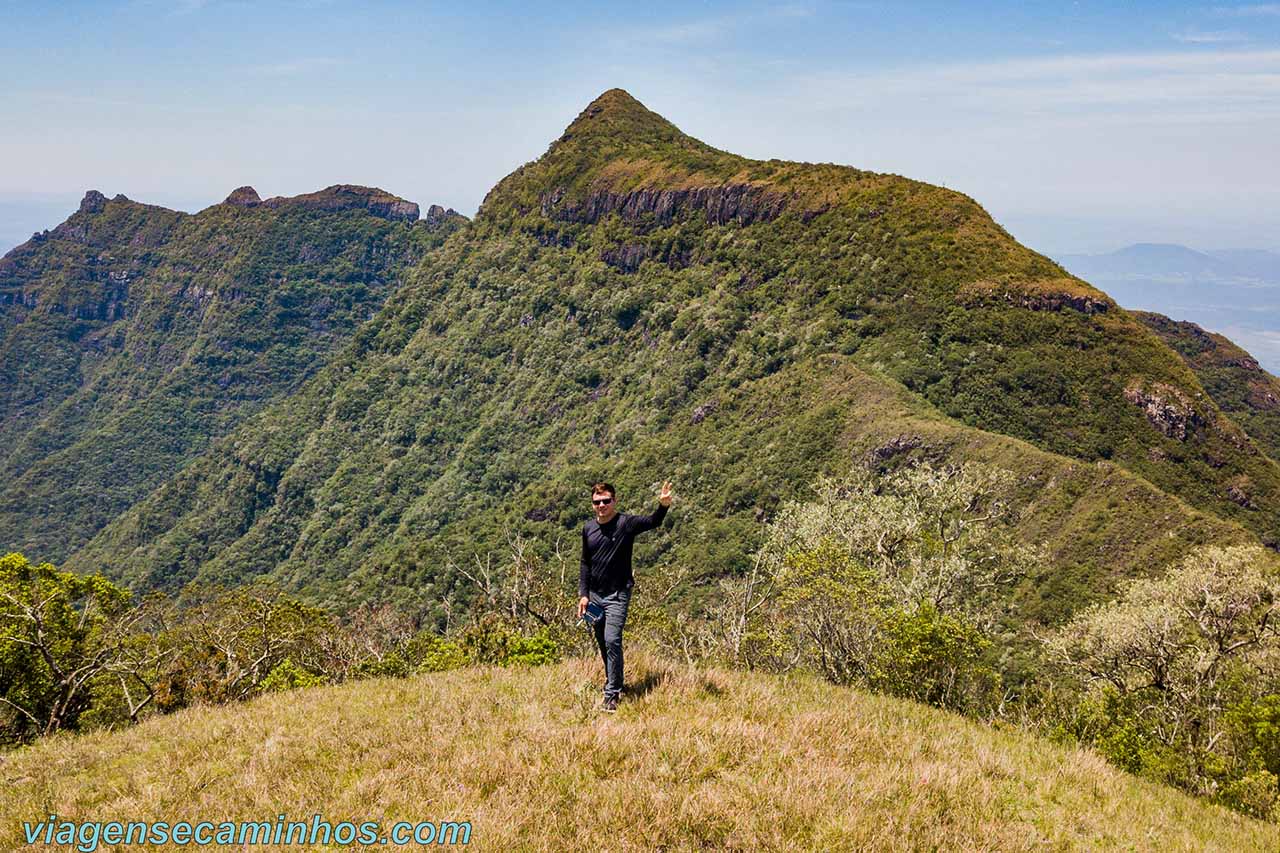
{"x":1230,"y":375}
{"x":741,"y":203}
{"x":1046,"y":295}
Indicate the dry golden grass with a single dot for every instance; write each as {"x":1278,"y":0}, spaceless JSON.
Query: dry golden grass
{"x":694,"y":759}
{"x":1047,"y":289}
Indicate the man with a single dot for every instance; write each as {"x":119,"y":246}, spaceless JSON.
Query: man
{"x":605,"y":575}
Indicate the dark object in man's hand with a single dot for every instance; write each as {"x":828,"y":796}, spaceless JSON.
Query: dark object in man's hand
{"x":593,"y":614}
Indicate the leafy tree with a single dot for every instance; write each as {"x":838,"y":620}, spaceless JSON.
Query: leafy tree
{"x":59,"y":633}
{"x":890,"y":580}
{"x":230,"y":642}
{"x":1177,"y":679}
{"x":936,"y":535}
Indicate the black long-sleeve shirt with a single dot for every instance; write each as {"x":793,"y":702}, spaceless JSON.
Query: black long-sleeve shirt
{"x":606,"y":551}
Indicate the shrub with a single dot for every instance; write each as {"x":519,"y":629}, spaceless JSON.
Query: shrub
{"x":287,"y":675}
{"x":931,"y":657}
{"x":432,"y":653}
{"x":889,"y":580}
{"x":490,"y":640}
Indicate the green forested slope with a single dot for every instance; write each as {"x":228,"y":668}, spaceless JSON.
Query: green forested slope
{"x":636,"y":305}
{"x":1232,"y":377}
{"x":131,"y":335}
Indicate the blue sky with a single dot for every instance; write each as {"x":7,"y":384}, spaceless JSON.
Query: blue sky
{"x":1081,"y":126}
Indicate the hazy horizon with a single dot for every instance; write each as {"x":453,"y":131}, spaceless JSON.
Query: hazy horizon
{"x":1081,"y":128}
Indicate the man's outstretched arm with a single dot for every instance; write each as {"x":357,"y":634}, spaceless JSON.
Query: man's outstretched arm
{"x":641,"y":523}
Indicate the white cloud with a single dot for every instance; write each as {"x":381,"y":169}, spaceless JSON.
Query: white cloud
{"x":1255,"y":10}
{"x":295,"y":67}
{"x":1217,"y":37}
{"x":1167,"y":86}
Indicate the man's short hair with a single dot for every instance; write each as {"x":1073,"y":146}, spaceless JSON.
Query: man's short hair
{"x":598,"y":488}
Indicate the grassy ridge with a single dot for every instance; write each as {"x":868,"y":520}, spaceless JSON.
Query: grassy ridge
{"x":694,"y":759}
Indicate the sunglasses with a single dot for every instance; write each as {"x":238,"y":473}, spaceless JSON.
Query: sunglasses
{"x":603,"y":502}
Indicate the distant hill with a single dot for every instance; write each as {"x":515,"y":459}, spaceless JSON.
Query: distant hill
{"x":132,"y":335}
{"x":1259,"y":264}
{"x":693,"y":759}
{"x":638,"y":305}
{"x":1173,"y":262}
{"x":1232,"y":291}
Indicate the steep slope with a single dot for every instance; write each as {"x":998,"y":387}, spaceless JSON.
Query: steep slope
{"x":131,"y":335}
{"x":637,"y":305}
{"x":694,"y":759}
{"x":1240,"y":387}
{"x":910,"y":277}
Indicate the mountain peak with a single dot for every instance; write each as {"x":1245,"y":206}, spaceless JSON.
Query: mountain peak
{"x":615,"y":105}
{"x":618,"y":118}
{"x":245,"y":196}
{"x":93,"y":202}
{"x":615,"y":144}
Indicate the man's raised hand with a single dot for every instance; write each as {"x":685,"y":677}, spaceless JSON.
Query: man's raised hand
{"x":664,"y":497}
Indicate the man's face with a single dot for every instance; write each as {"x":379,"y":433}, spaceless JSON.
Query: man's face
{"x":604,"y":506}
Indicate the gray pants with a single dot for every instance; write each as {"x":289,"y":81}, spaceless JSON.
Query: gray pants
{"x":609,"y":636}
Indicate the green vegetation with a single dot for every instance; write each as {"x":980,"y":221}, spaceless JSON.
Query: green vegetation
{"x":895,"y":582}
{"x":131,"y":336}
{"x":1178,"y":679}
{"x":740,"y":351}
{"x":1232,"y":377}
{"x":901,"y":577}
{"x":998,"y":449}
{"x":77,"y":653}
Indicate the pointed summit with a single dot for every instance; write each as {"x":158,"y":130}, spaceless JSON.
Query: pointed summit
{"x":615,"y":142}
{"x":617,"y":117}
{"x":245,"y":196}
{"x":617,"y":124}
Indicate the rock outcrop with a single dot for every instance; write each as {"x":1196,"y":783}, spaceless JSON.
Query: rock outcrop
{"x":1050,"y":295}
{"x":628,"y":257}
{"x":1169,"y":409}
{"x":245,"y":196}
{"x":348,"y":197}
{"x":437,"y":214}
{"x":722,"y":204}
{"x":93,"y":202}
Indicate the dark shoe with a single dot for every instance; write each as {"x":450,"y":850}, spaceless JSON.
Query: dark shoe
{"x":610,"y":704}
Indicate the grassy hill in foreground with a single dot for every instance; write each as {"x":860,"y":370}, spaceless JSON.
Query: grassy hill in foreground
{"x":694,"y":759}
